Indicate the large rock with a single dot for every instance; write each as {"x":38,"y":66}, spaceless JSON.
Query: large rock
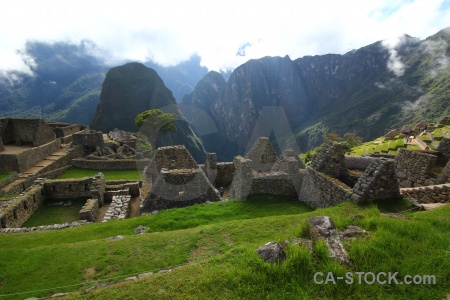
{"x":272,"y":252}
{"x":322,"y":227}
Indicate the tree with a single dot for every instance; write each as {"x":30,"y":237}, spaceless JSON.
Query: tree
{"x":154,"y":121}
{"x":351,"y":141}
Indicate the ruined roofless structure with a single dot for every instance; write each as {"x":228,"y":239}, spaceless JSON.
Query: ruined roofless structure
{"x":177,"y":181}
{"x":262,"y":172}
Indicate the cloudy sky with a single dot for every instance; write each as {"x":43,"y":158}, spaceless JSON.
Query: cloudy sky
{"x":224,"y":33}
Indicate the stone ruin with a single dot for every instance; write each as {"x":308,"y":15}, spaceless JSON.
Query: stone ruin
{"x":414,"y":168}
{"x":176,"y":181}
{"x":322,"y":186}
{"x":262,"y":172}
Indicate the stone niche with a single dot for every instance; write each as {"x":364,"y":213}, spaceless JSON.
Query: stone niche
{"x":177,"y":181}
{"x":414,"y":168}
{"x":2,"y":147}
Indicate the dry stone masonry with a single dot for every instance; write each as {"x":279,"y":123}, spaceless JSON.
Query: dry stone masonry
{"x":266,"y":173}
{"x":378,"y":182}
{"x":330,"y":160}
{"x":444,"y":177}
{"x":444,"y":148}
{"x":428,"y":194}
{"x":177,"y":181}
{"x":319,"y":191}
{"x":119,"y":208}
{"x":262,"y":155}
{"x":90,"y":210}
{"x":414,"y":168}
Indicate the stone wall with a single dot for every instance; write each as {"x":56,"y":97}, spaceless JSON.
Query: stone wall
{"x":378,"y":182}
{"x":26,"y":131}
{"x":119,"y":208}
{"x":218,"y":173}
{"x":319,"y":191}
{"x":18,"y":210}
{"x":90,"y":210}
{"x":2,"y":146}
{"x":63,"y":131}
{"x":358,"y":162}
{"x":90,"y":139}
{"x":414,"y":168}
{"x":275,"y":183}
{"x":444,"y":177}
{"x":93,"y":187}
{"x":111,"y":164}
{"x":330,"y":160}
{"x":172,"y":157}
{"x":444,"y":148}
{"x":179,"y":188}
{"x":242,"y":180}
{"x":429,"y":194}
{"x":262,"y":155}
{"x":27,"y":158}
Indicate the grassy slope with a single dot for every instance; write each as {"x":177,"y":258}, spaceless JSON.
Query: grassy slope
{"x":220,"y":254}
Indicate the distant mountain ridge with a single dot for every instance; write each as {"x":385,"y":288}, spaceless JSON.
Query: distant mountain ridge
{"x":67,"y":79}
{"x":367,"y":91}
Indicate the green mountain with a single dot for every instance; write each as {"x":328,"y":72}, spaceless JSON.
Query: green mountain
{"x":66,"y":81}
{"x":133,"y":88}
{"x":367,"y":91}
{"x":65,"y":85}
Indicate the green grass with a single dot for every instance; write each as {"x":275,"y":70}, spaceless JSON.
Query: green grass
{"x":109,"y":174}
{"x":219,"y":259}
{"x":49,"y":215}
{"x":4,"y":175}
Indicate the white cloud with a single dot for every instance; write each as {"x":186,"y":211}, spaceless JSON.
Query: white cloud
{"x":171,"y":31}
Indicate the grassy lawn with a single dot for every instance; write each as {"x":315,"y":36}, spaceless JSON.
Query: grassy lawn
{"x":109,"y":174}
{"x":49,"y":215}
{"x":4,"y":175}
{"x":218,"y":255}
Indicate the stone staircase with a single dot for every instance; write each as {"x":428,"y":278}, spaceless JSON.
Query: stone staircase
{"x":45,"y":165}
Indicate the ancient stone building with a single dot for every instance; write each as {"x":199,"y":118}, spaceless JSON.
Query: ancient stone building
{"x":177,"y":180}
{"x":330,"y":160}
{"x":34,"y":132}
{"x":322,"y":186}
{"x":262,"y":155}
{"x":414,"y":168}
{"x":378,"y":182}
{"x":90,"y":139}
{"x":262,"y":172}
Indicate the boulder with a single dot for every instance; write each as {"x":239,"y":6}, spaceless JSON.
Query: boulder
{"x":272,"y":252}
{"x":140,"y":229}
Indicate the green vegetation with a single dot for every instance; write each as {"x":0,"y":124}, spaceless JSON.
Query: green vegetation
{"x":109,"y":174}
{"x":47,"y":214}
{"x":215,"y":244}
{"x":4,"y":175}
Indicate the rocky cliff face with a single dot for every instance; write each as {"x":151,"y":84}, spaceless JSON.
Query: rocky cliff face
{"x":367,"y":91}
{"x":133,"y":88}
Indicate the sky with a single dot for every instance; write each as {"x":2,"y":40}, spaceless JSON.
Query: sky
{"x":224,"y":34}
